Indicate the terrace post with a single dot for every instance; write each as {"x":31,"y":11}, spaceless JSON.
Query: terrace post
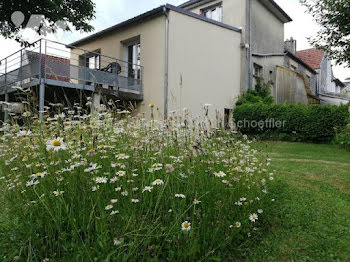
{"x":85,"y":70}
{"x":96,"y":101}
{"x":6,"y":114}
{"x":21,"y":68}
{"x":42,"y":87}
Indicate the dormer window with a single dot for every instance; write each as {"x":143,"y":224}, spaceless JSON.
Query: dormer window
{"x":213,"y":12}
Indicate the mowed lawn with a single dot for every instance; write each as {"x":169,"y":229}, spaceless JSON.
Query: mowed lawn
{"x":311,"y":220}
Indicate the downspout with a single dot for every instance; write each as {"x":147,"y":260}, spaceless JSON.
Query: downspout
{"x":250,"y":74}
{"x":166,"y":63}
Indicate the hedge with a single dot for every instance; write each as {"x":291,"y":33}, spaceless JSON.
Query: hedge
{"x":302,"y":123}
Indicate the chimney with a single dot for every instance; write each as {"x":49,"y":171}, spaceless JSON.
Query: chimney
{"x":291,"y":45}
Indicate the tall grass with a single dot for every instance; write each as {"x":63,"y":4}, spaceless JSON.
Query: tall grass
{"x":119,"y":188}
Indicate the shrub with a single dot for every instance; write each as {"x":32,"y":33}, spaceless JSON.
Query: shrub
{"x":261,"y":94}
{"x":303,"y":123}
{"x":77,"y":188}
{"x":343,"y":138}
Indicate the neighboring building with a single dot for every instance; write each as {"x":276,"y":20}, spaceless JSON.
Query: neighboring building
{"x":328,"y":87}
{"x":305,"y":73}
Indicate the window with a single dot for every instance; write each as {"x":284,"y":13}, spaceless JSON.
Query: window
{"x":134,"y":60}
{"x":257,"y":70}
{"x":214,"y":12}
{"x":93,"y":61}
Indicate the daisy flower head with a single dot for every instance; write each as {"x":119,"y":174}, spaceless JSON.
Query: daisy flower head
{"x":135,"y":201}
{"x":180,"y":196}
{"x":58,"y":193}
{"x":114,"y":212}
{"x":101,"y":180}
{"x":260,"y":211}
{"x":157,"y":182}
{"x":220,"y":174}
{"x":122,"y":156}
{"x":196,"y":202}
{"x":147,"y":188}
{"x":186,"y":226}
{"x":113,"y":201}
{"x":253,"y":217}
{"x":121,"y":173}
{"x":109,"y":207}
{"x":238,"y":224}
{"x":55,"y":144}
{"x":24,"y":133}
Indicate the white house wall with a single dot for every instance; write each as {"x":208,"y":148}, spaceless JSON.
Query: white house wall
{"x":204,"y":65}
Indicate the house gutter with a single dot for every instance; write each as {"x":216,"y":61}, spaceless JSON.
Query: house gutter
{"x":166,"y":63}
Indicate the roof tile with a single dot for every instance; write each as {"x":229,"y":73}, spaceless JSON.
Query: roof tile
{"x":313,"y":57}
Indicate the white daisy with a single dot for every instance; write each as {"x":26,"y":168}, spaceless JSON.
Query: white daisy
{"x":253,"y":217}
{"x":220,"y":174}
{"x":147,"y":188}
{"x":101,"y":180}
{"x":122,"y":156}
{"x":157,"y":182}
{"x":121,"y":173}
{"x":135,"y":201}
{"x":196,"y":202}
{"x":186,"y":226}
{"x":55,"y":144}
{"x":180,"y":196}
{"x":58,"y":193}
{"x":109,"y":207}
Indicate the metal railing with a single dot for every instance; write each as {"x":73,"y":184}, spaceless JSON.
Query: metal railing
{"x":67,"y":66}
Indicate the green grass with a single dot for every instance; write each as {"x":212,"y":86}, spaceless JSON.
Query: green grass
{"x":311,"y":220}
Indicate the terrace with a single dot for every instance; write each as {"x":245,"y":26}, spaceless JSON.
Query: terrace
{"x":49,"y":65}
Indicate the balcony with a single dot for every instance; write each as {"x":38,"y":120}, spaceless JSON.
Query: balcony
{"x":54,"y":64}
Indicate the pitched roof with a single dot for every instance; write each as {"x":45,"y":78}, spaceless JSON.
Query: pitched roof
{"x":313,"y":57}
{"x":300,"y":61}
{"x":270,"y":4}
{"x":149,"y":15}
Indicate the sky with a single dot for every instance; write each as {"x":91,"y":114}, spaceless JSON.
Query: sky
{"x":111,"y":12}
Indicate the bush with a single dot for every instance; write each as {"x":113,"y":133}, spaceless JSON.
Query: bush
{"x":302,"y":123}
{"x":81,"y":189}
{"x":261,"y":94}
{"x":343,"y":138}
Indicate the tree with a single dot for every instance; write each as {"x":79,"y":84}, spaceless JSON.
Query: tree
{"x":76,"y":13}
{"x":334,"y":36}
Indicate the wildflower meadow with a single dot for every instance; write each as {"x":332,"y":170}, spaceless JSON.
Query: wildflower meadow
{"x":117,"y":187}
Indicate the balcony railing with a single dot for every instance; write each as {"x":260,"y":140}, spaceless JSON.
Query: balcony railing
{"x":56,"y":64}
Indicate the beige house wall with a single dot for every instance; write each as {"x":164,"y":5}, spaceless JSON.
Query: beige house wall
{"x":234,"y":13}
{"x":152,"y":39}
{"x":204,"y":65}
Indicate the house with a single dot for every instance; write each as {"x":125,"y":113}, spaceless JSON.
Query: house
{"x":304,"y":72}
{"x":201,"y":52}
{"x":328,"y":87}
